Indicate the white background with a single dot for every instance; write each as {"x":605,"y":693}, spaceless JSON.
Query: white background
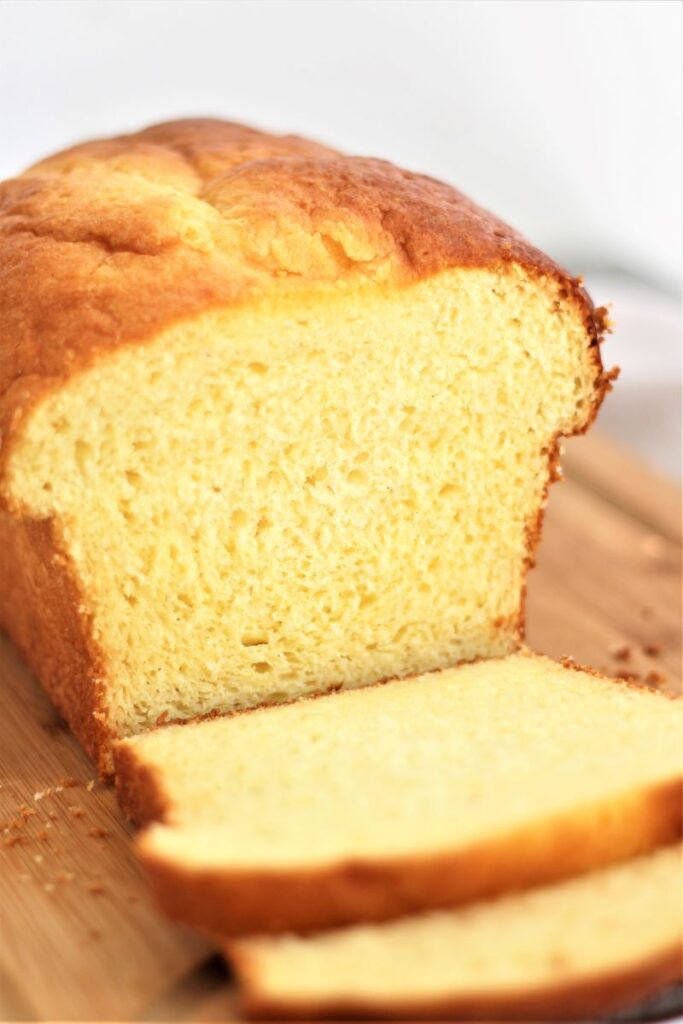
{"x":563,"y":116}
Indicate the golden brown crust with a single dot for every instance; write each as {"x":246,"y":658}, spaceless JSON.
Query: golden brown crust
{"x":110,"y":242}
{"x":583,"y":998}
{"x":183,"y":153}
{"x":534,"y":528}
{"x":114,"y":240}
{"x":41,"y":609}
{"x":139,"y":789}
{"x":252,"y":901}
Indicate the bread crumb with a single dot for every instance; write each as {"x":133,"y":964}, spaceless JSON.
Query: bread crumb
{"x":14,"y":840}
{"x":68,"y":783}
{"x":41,"y":793}
{"x":90,"y":786}
{"x":53,"y":816}
{"x":64,"y":876}
{"x":99,"y":833}
{"x":76,"y":811}
{"x":652,"y":650}
{"x":622,"y":652}
{"x":43,"y":836}
{"x":39,"y":858}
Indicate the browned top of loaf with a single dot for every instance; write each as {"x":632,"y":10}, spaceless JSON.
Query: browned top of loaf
{"x":113,"y":240}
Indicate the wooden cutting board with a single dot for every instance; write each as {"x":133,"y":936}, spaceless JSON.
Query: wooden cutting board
{"x":79,"y":940}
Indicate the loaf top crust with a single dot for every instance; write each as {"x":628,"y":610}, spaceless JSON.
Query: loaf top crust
{"x":112,"y":241}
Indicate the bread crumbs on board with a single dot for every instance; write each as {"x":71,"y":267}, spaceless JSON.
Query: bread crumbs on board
{"x":627,"y":676}
{"x":99,"y":833}
{"x":621,"y":652}
{"x":14,"y":840}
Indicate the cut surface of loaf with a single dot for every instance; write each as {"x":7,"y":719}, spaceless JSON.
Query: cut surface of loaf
{"x":415,"y":794}
{"x":573,"y":950}
{"x":274,"y":420}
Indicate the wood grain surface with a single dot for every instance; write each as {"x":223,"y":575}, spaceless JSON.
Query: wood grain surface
{"x":79,"y":939}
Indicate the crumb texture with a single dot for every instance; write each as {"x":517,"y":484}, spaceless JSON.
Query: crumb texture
{"x":335,"y":493}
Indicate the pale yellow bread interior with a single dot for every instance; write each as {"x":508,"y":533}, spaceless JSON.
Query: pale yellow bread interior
{"x":452,"y":760}
{"x":317,"y":488}
{"x":568,"y":940}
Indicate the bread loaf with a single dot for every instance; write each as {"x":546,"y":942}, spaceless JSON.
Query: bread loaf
{"x":274,"y":420}
{"x":575,"y":950}
{"x":396,"y":798}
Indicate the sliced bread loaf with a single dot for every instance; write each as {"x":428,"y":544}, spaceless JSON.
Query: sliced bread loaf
{"x":422,"y":793}
{"x":273,"y":420}
{"x":572,"y":950}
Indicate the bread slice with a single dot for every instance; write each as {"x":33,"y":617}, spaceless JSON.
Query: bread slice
{"x":573,"y":950}
{"x":416,"y":794}
{"x":273,"y":420}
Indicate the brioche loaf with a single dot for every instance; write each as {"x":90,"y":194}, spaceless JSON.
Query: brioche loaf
{"x":416,"y":794}
{"x":274,"y":420}
{"x":574,"y":950}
